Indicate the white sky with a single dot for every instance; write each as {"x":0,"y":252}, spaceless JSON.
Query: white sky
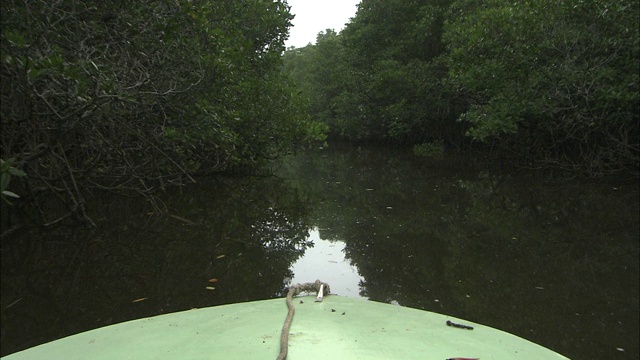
{"x":313,"y":16}
{"x":325,"y":260}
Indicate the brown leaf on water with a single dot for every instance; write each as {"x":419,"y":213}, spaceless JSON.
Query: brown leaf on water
{"x":138,"y":300}
{"x":213,"y":280}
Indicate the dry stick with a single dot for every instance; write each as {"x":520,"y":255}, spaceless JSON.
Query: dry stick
{"x":160,"y":151}
{"x":78,"y":203}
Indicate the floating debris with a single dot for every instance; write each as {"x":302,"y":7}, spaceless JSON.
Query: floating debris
{"x":13,"y":303}
{"x":186,"y":221}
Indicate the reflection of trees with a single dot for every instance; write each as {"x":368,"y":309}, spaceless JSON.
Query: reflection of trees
{"x":520,"y":254}
{"x":551,"y":252}
{"x":388,"y":213}
{"x":72,"y":281}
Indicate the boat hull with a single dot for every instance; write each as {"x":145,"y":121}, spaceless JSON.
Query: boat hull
{"x":337,"y":328}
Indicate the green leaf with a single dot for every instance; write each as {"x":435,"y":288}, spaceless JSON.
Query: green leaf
{"x":10,"y":194}
{"x":34,"y":75}
{"x":5,"y":178}
{"x":15,"y":38}
{"x":16,"y":172}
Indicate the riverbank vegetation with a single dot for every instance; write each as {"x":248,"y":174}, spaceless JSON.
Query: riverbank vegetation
{"x":543,"y":83}
{"x":133,"y":96}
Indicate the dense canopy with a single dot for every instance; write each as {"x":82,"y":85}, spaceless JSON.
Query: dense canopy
{"x":548,"y":83}
{"x":136,"y":95}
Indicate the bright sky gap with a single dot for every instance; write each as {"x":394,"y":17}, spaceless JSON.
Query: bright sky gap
{"x":313,"y":16}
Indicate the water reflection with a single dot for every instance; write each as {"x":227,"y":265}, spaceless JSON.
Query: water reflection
{"x":326,"y":261}
{"x":223,"y":241}
{"x":553,"y":261}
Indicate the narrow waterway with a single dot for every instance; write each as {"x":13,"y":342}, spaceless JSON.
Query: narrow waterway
{"x":326,"y":260}
{"x":553,"y":261}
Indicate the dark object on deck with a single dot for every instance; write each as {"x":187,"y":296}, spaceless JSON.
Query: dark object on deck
{"x":459,"y":326}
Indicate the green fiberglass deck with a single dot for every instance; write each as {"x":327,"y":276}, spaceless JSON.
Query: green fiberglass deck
{"x":337,"y":328}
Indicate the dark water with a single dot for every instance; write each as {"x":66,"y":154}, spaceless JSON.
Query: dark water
{"x":553,"y":261}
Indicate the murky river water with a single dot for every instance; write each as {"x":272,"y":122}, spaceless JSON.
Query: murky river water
{"x":553,"y":261}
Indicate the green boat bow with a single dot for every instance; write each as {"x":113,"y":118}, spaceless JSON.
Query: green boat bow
{"x":336,"y":328}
